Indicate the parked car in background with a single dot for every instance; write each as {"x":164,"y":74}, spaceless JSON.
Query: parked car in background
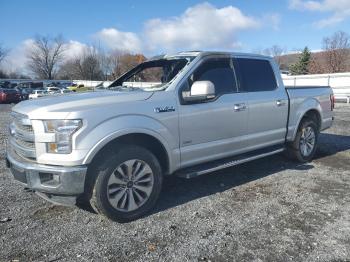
{"x":28,"y":88}
{"x":65,"y":91}
{"x":9,"y":95}
{"x":64,"y":85}
{"x":53,"y":84}
{"x":37,"y":94}
{"x":57,"y":85}
{"x":76,"y":87}
{"x":53,"y":90}
{"x":32,"y":85}
{"x":5,"y":84}
{"x":23,"y":93}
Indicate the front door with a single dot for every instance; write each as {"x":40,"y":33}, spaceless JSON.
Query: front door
{"x":212,"y":129}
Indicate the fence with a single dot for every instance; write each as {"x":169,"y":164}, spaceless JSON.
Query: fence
{"x":340,"y":83}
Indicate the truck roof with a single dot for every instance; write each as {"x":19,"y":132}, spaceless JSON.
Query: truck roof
{"x":205,"y":53}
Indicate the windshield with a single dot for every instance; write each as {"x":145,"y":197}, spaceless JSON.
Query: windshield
{"x":154,"y":75}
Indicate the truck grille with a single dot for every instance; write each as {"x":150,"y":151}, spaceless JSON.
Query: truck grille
{"x":22,"y":136}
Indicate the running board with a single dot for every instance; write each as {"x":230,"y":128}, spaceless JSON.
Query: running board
{"x":206,"y":168}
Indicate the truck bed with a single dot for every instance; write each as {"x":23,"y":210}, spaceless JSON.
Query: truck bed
{"x":312,"y":96}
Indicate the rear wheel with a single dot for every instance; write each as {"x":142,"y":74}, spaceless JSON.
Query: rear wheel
{"x":127,"y":185}
{"x":303,"y":147}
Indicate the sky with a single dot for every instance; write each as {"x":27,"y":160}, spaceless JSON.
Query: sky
{"x":153,"y":27}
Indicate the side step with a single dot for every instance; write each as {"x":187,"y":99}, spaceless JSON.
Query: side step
{"x":206,"y":168}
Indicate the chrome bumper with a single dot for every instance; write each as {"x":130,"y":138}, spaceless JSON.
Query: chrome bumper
{"x":47,"y":179}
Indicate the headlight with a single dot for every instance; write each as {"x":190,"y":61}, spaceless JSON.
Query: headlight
{"x":63,"y":129}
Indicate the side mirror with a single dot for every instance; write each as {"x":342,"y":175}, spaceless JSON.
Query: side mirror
{"x":200,"y":91}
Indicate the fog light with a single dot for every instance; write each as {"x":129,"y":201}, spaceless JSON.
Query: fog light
{"x":49,"y":179}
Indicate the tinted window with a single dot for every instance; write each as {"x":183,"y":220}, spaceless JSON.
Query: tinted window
{"x":219,"y":72}
{"x":256,"y":75}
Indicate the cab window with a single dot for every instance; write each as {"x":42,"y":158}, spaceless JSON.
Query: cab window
{"x":256,"y":75}
{"x":219,"y":71}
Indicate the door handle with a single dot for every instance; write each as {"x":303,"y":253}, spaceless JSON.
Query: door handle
{"x":280,"y":103}
{"x":239,"y":107}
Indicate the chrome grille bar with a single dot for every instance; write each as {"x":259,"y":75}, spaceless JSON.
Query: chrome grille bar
{"x":21,"y":150}
{"x":20,"y":134}
{"x":22,"y":139}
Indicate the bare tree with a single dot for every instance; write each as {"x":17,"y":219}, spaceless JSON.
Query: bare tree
{"x":45,"y":55}
{"x":315,"y":65}
{"x":276,"y":52}
{"x":94,"y":64}
{"x":336,"y":51}
{"x":109,"y":61}
{"x":86,"y":66}
{"x":115,"y":63}
{"x":91,"y":65}
{"x":69,"y":69}
{"x":3,"y":53}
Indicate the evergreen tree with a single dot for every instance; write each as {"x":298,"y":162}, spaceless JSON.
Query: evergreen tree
{"x":302,"y":66}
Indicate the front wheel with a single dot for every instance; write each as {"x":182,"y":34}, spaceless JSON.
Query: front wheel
{"x":303,"y":147}
{"x":128,"y":184}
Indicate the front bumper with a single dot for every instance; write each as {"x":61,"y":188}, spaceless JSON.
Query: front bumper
{"x":55,"y":183}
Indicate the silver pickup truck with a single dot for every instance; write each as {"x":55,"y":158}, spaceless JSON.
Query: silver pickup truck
{"x":186,"y":114}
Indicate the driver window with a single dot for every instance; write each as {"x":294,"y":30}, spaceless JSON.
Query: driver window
{"x":220,"y":72}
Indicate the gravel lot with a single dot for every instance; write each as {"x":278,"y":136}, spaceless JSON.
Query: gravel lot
{"x":267,"y":210}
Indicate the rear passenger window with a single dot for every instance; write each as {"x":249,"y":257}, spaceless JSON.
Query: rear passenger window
{"x":220,"y":72}
{"x":256,"y":75}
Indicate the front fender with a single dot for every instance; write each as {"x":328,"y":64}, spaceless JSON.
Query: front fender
{"x":119,"y":126}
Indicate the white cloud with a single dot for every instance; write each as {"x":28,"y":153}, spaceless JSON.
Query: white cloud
{"x":200,"y":27}
{"x":115,"y":39}
{"x":17,"y":59}
{"x":339,"y":10}
{"x":74,"y":49}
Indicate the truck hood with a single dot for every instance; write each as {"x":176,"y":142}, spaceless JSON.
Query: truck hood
{"x":59,"y":106}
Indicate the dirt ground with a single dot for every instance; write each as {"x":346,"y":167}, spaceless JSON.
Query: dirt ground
{"x":268,"y":210}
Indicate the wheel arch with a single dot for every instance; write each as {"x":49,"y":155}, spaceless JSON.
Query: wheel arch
{"x":311,"y":113}
{"x":152,"y":142}
{"x":315,"y":116}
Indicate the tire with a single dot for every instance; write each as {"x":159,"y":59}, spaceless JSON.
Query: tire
{"x":120,"y":176}
{"x":304,"y":146}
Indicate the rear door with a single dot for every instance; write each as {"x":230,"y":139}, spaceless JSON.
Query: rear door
{"x":267,"y":102}
{"x":212,"y":129}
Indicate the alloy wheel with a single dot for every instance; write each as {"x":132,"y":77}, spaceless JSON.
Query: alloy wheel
{"x":130,"y":185}
{"x":307,"y":141}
